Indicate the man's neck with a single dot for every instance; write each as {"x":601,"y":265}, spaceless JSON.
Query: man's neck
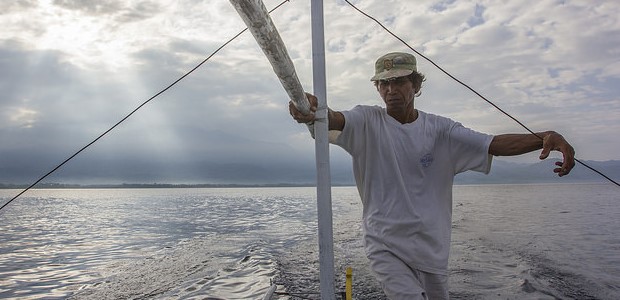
{"x":408,"y":116}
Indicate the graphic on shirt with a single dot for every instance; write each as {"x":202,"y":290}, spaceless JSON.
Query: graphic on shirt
{"x":426,"y":160}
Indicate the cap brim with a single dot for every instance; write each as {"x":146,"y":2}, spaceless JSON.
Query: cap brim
{"x":394,"y":73}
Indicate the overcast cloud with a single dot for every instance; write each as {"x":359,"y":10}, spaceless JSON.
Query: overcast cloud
{"x":71,"y":69}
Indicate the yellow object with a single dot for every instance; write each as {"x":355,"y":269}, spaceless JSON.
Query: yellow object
{"x":349,"y":284}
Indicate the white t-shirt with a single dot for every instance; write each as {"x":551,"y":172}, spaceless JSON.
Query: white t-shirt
{"x":404,"y":175}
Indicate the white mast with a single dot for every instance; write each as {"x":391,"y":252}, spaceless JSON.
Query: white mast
{"x":256,"y":17}
{"x":324,"y":197}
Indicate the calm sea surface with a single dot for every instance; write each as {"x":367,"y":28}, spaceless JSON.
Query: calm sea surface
{"x":509,"y":242}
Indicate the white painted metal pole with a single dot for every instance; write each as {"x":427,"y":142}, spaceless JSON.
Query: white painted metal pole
{"x":270,"y":292}
{"x":324,"y":197}
{"x":256,"y":17}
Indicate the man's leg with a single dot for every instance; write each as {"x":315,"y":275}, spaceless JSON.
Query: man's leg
{"x":435,"y":285}
{"x":397,"y":279}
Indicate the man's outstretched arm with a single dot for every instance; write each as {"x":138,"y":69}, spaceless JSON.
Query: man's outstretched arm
{"x":516,"y":144}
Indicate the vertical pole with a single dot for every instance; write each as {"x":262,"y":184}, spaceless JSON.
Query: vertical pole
{"x":324,"y":199}
{"x":349,"y":284}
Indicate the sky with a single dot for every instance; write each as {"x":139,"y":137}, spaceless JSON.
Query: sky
{"x":70,"y":69}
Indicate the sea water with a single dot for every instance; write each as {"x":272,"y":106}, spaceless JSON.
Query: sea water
{"x":509,"y":242}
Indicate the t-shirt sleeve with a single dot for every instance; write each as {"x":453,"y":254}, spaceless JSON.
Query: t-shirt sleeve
{"x":353,"y":126}
{"x":469,"y":149}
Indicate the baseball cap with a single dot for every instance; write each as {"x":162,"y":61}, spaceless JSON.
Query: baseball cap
{"x":392,"y":65}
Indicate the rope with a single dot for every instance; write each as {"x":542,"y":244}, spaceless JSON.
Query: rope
{"x":131,"y":113}
{"x":470,"y":88}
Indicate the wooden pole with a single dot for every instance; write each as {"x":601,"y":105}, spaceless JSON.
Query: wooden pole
{"x":256,"y":17}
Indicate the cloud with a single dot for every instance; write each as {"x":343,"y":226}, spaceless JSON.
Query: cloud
{"x":92,"y":7}
{"x":75,"y":68}
{"x":7,"y":7}
{"x":21,"y":117}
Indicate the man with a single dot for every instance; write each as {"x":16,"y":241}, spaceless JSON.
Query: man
{"x":404,"y":163}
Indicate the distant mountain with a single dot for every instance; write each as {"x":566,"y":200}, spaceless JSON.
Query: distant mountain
{"x":292,"y":173}
{"x":502,"y":172}
{"x":541,"y":172}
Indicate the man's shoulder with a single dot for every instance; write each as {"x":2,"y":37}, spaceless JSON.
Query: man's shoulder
{"x":436,"y":122}
{"x":433,"y":118}
{"x":365,"y":107}
{"x":363,"y":110}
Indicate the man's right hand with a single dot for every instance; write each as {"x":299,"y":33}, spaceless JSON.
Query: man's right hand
{"x":298,"y":116}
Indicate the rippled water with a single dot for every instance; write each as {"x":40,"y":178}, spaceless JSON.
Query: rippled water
{"x":538,"y":241}
{"x":509,"y":242}
{"x":123,"y":243}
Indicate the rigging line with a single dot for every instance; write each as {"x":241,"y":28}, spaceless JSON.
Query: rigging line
{"x":470,"y":88}
{"x":132,"y":112}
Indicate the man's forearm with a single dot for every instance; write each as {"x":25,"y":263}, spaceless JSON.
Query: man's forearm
{"x":336,"y":120}
{"x":516,"y":144}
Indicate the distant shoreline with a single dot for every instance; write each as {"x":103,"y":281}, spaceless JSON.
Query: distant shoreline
{"x":232,"y":185}
{"x":154,"y":185}
{"x":502,"y":172}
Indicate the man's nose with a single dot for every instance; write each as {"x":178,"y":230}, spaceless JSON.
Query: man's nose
{"x":391,"y":86}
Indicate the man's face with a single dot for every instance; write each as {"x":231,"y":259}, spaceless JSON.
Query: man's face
{"x":397,"y":93}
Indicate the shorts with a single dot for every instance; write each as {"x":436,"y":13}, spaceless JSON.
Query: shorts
{"x":400,"y":281}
